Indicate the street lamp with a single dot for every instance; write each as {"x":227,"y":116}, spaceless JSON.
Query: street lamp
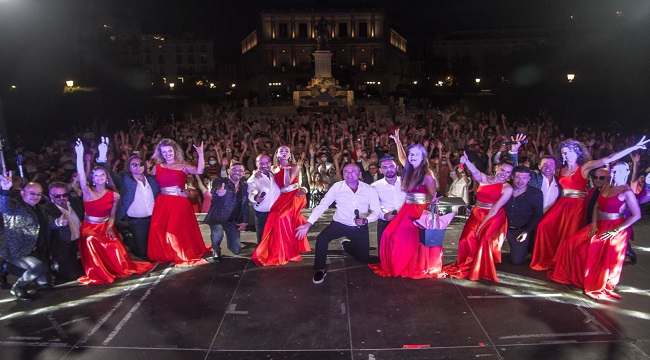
{"x":171,"y":86}
{"x":478,"y":81}
{"x":69,"y":83}
{"x":570,"y":77}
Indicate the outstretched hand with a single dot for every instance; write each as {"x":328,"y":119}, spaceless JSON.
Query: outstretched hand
{"x":463,"y":158}
{"x":79,"y":147}
{"x":103,"y":147}
{"x":395,"y":136}
{"x":199,"y":149}
{"x":641,"y":143}
{"x":7,"y":180}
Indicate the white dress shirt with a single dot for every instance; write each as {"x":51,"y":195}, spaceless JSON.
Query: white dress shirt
{"x":391,"y":197}
{"x":258,"y":185}
{"x":550,"y":190}
{"x":365,"y":200}
{"x":73,"y":221}
{"x":143,"y":201}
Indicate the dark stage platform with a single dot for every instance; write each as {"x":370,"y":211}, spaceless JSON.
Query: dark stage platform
{"x":235,"y":310}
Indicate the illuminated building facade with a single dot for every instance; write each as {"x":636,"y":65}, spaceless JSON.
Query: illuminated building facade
{"x":368,"y":54}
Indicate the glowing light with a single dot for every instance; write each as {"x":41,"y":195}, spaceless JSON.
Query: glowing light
{"x":212,"y":86}
{"x":69,"y":83}
{"x":478,"y":81}
{"x":171,"y":86}
{"x":415,"y":82}
{"x":13,"y":87}
{"x":233,"y":85}
{"x":570,"y":77}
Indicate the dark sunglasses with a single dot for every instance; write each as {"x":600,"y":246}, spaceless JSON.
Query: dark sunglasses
{"x":137,"y":164}
{"x":58,"y":196}
{"x":599,"y":177}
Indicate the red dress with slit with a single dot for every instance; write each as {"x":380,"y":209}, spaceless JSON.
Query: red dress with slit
{"x":401,"y":252}
{"x":174,"y":233}
{"x":103,"y":258}
{"x":279,"y":244}
{"x":477,"y":255}
{"x":594,"y":263}
{"x":562,"y":220}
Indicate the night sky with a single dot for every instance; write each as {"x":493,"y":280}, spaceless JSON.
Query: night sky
{"x":37,"y":41}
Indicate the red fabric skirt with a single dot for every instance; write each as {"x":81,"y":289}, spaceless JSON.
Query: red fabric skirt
{"x":562,"y":220}
{"x":105,"y":259}
{"x":279,"y":244}
{"x":477,"y":255}
{"x":401,"y":252}
{"x":592,"y":263}
{"x":174,"y":234}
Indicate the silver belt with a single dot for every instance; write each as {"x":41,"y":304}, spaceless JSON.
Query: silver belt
{"x":289,"y":188}
{"x":417,"y":198}
{"x":96,"y":220}
{"x":171,"y":190}
{"x":483,"y":205}
{"x":577,"y":194}
{"x":609,"y":216}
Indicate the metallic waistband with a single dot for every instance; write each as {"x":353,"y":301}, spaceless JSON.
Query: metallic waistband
{"x":483,"y":205}
{"x":417,"y":198}
{"x":289,"y":188}
{"x":171,"y":190}
{"x":574,"y":193}
{"x":609,"y":216}
{"x":96,"y":220}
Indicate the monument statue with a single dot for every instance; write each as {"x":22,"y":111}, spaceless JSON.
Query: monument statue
{"x":322,"y":33}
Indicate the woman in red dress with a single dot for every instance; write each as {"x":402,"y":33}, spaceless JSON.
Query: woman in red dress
{"x":400,"y":250}
{"x":103,"y":255}
{"x":593,"y":257}
{"x":479,"y":247}
{"x":567,"y":215}
{"x":174,"y":234}
{"x":279,"y":244}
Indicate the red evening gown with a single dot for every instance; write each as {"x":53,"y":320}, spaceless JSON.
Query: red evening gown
{"x":477,"y":255}
{"x":174,"y":233}
{"x":104,"y":259}
{"x":562,"y":220}
{"x":279,"y":244}
{"x":594,"y":263}
{"x":401,"y":252}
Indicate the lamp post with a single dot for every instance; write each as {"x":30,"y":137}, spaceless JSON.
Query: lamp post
{"x":569,"y":77}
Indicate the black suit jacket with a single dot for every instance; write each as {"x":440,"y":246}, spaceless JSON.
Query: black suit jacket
{"x":58,"y":244}
{"x":367,"y":177}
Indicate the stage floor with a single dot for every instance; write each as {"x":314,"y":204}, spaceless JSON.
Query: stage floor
{"x":235,"y":310}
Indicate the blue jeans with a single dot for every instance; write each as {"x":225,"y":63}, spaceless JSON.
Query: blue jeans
{"x":232,"y":237}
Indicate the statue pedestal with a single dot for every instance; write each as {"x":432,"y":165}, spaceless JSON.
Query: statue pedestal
{"x":323,"y":64}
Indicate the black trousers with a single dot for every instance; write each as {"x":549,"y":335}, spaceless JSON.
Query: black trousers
{"x":358,"y":248}
{"x":381,"y":226}
{"x":518,"y":250}
{"x":139,"y":228}
{"x":35,"y":269}
{"x":260,"y":222}
{"x":68,"y":265}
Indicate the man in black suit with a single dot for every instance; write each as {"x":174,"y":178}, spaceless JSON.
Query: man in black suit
{"x":372,"y":174}
{"x":523,"y":210}
{"x":62,"y":244}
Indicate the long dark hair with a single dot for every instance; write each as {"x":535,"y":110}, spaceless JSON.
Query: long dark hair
{"x":414,"y":177}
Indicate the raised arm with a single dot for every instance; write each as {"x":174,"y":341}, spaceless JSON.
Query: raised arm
{"x":200,"y":166}
{"x":401,"y":154}
{"x":594,"y":164}
{"x":81,"y":170}
{"x":476,"y":175}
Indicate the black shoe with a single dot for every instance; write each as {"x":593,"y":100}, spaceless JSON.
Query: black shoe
{"x":319,"y":277}
{"x":631,"y":254}
{"x":20,"y":293}
{"x":217,"y":257}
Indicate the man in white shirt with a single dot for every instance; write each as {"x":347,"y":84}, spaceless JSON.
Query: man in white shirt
{"x":391,"y":195}
{"x":262,"y":192}
{"x":357,"y":204}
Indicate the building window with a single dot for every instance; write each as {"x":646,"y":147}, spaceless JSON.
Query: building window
{"x":190,"y":59}
{"x":284,"y":68}
{"x":302,"y":30}
{"x":179,"y":59}
{"x":363,"y":29}
{"x":204,"y":59}
{"x":147,"y":49}
{"x":161,"y":71}
{"x":268,"y":58}
{"x":179,"y":49}
{"x":343,"y":30}
{"x":283,"y":31}
{"x":203,"y":49}
{"x":362,"y":66}
{"x":190,"y":49}
{"x":161,"y":59}
{"x":179,"y":70}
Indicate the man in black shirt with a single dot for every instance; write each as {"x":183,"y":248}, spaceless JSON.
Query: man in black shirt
{"x":524,"y":210}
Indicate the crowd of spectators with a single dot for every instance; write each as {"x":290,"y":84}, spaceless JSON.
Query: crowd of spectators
{"x":326,"y":141}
